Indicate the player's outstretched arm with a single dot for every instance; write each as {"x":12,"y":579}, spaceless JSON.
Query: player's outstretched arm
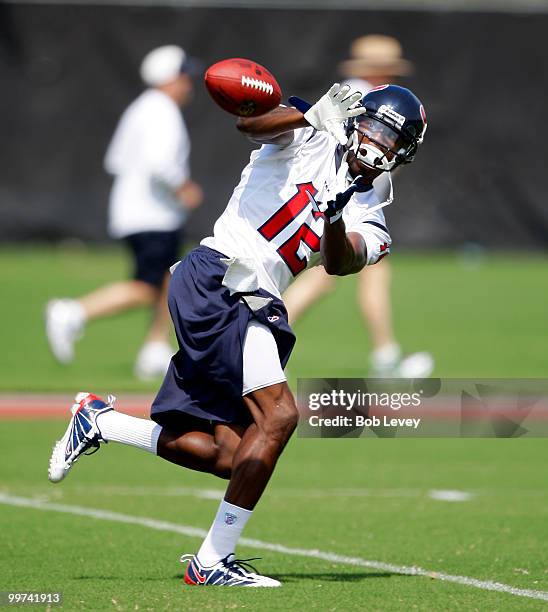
{"x":275,"y":127}
{"x":342,"y":253}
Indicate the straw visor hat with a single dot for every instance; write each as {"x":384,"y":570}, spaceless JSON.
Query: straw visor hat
{"x":375,"y":55}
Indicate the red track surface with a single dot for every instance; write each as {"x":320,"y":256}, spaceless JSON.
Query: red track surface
{"x":21,"y":406}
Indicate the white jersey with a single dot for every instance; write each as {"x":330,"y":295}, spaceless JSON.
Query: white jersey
{"x":269,"y":222}
{"x":148,"y":156}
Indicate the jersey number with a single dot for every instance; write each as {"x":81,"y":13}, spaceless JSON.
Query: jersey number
{"x":282,"y":218}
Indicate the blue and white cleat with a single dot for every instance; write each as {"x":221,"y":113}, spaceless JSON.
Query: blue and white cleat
{"x":81,"y":434}
{"x":227,"y":572}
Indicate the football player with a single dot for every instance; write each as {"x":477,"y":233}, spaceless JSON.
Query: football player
{"x":313,"y":192}
{"x":375,"y":59}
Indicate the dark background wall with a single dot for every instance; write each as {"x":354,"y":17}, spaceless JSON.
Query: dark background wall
{"x":67,"y":73}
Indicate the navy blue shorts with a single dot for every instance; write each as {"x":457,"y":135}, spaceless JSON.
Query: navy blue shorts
{"x":205,"y":376}
{"x":154,"y":253}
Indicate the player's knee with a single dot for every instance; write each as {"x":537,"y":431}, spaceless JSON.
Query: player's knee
{"x":274,"y":412}
{"x":282,"y":420}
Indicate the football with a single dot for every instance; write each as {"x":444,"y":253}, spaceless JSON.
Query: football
{"x":243,"y":87}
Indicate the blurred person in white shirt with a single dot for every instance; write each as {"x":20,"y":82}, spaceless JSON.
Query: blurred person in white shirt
{"x":151,"y":196}
{"x":375,"y":60}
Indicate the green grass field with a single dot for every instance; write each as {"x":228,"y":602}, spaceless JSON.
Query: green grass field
{"x":365,"y":498}
{"x":360,"y":498}
{"x":485,"y":319}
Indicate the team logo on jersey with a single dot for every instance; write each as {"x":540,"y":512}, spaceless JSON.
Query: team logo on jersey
{"x":273,"y":319}
{"x":230,"y":519}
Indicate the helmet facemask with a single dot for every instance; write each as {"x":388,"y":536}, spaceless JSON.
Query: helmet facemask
{"x":378,"y":145}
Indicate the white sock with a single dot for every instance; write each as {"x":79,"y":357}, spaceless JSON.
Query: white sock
{"x":387,"y":355}
{"x":118,"y":427}
{"x":78,"y":313}
{"x":224,"y":534}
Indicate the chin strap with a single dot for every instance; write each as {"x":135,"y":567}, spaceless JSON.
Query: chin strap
{"x":373,"y":158}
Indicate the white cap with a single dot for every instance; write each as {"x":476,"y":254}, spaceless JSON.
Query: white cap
{"x":162,"y":65}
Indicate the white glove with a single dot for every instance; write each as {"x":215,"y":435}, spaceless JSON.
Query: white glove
{"x":332,"y":109}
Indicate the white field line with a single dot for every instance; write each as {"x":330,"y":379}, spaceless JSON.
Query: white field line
{"x":195,"y":532}
{"x":217,"y":494}
{"x":450,"y":495}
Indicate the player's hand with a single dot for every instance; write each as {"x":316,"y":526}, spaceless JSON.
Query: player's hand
{"x":332,"y":109}
{"x":190,"y":195}
{"x":333,"y":209}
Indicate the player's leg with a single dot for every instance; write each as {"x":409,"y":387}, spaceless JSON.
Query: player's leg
{"x":274,"y":417}
{"x":156,"y":351}
{"x":184,"y":440}
{"x":66,"y":318}
{"x":94,"y":421}
{"x":374,"y":284}
{"x":374,"y":298}
{"x":307,"y":289}
{"x":160,"y":326}
{"x":161,"y":252}
{"x":117,"y":297}
{"x":201,"y":446}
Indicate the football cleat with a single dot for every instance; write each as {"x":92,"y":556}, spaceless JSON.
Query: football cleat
{"x":153,"y":360}
{"x":64,"y":326}
{"x":82,"y":434}
{"x":227,"y":572}
{"x":415,"y":365}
